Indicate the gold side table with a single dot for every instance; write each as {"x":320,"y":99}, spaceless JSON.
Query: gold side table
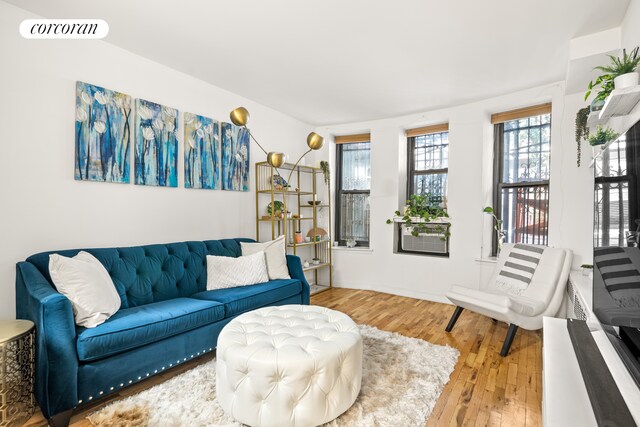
{"x":16,"y":371}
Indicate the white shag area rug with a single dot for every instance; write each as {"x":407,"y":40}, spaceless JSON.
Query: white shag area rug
{"x":402,"y":379}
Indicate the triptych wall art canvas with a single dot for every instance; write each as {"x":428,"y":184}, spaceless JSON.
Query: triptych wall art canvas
{"x":201,"y":152}
{"x":215,"y":155}
{"x":103,"y":134}
{"x":235,"y":158}
{"x":156,"y":153}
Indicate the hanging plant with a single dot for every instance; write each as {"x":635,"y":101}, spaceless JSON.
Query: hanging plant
{"x":582,"y":130}
{"x":324,"y":165}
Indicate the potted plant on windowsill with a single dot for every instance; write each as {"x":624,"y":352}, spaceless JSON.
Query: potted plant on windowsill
{"x":420,"y":216}
{"x":619,"y":74}
{"x":497,"y":225}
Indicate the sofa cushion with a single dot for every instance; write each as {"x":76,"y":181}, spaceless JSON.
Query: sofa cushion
{"x":137,"y":326}
{"x":246,"y":298}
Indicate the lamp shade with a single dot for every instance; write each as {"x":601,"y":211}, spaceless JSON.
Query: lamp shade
{"x":239,"y":116}
{"x":315,"y":141}
{"x":276,"y":159}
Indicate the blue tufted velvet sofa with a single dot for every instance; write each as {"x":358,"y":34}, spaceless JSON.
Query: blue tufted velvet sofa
{"x":167,"y":317}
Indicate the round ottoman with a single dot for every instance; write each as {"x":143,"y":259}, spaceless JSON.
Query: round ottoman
{"x":292,"y":365}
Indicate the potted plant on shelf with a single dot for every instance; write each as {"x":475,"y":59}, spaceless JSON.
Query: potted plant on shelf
{"x":586,"y":269}
{"x":582,"y":130}
{"x":419,"y":216}
{"x":602,"y":136}
{"x":497,"y":225}
{"x":619,"y":74}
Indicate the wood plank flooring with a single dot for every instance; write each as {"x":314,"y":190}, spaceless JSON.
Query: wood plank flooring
{"x":484,"y":390}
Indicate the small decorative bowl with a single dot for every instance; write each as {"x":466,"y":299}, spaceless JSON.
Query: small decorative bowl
{"x":317,"y":202}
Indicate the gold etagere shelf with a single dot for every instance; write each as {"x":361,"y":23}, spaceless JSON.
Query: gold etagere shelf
{"x":301,"y":201}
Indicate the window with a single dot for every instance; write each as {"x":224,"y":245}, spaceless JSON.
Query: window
{"x":521,"y":173}
{"x":428,"y":162}
{"x":353,"y":187}
{"x":614,"y":194}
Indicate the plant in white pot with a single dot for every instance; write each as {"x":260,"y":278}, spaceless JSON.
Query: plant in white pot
{"x":619,"y":74}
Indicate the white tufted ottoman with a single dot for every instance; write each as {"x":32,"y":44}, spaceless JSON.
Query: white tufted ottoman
{"x":292,"y":365}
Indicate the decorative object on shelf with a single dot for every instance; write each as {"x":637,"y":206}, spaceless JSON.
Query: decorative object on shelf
{"x":103,"y":134}
{"x":315,"y":261}
{"x":596,"y":105}
{"x":278,"y":182}
{"x":314,"y":202}
{"x":586,"y":269}
{"x":17,"y":358}
{"x":497,"y":225}
{"x":156,"y":147}
{"x":201,"y":152}
{"x":351,"y":243}
{"x":307,"y":239}
{"x":620,"y":73}
{"x":582,"y":130}
{"x":298,"y":237}
{"x":306,"y":264}
{"x":326,"y":172}
{"x":279,"y":208}
{"x":235,"y":157}
{"x":602,"y":136}
{"x":316,"y":233}
{"x":419,"y":215}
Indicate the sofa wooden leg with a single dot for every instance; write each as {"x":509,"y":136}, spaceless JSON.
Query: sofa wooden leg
{"x":61,"y":420}
{"x":511,"y":333}
{"x":454,"y":318}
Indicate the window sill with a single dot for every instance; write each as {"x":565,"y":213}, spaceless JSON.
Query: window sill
{"x":488,"y":260}
{"x":354,"y":249}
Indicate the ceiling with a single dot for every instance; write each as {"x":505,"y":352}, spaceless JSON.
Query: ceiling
{"x":339,"y":61}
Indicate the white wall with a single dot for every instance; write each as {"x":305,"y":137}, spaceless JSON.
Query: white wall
{"x":43,"y":208}
{"x":631,"y":26}
{"x":470,"y":181}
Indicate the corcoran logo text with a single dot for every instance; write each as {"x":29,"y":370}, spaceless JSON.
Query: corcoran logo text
{"x":64,"y":29}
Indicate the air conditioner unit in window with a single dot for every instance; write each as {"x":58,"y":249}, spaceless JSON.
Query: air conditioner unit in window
{"x":434,"y":243}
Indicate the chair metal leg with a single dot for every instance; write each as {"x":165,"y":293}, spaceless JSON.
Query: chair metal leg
{"x":511,"y":333}
{"x":454,"y":318}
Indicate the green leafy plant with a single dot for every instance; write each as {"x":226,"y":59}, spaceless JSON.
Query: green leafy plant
{"x":582,"y":130}
{"x":618,"y":66}
{"x":602,"y":136}
{"x":420,"y":214}
{"x":497,"y":225}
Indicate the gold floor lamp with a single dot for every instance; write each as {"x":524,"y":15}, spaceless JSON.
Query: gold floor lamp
{"x":240,"y":117}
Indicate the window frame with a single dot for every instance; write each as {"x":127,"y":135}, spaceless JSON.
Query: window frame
{"x":411,"y":170}
{"x":339,"y":192}
{"x":498,"y":170}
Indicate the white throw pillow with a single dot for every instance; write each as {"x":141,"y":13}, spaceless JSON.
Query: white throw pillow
{"x":87,"y":284}
{"x":275,"y":254}
{"x":229,"y":272}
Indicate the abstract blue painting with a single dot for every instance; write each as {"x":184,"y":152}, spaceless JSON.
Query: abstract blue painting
{"x":235,"y":158}
{"x":156,"y":153}
{"x":201,"y":152}
{"x":103,"y":134}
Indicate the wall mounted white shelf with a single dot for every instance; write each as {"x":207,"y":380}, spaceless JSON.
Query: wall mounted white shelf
{"x":619,"y":103}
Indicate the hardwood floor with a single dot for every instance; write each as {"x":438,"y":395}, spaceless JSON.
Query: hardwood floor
{"x":484,"y":389}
